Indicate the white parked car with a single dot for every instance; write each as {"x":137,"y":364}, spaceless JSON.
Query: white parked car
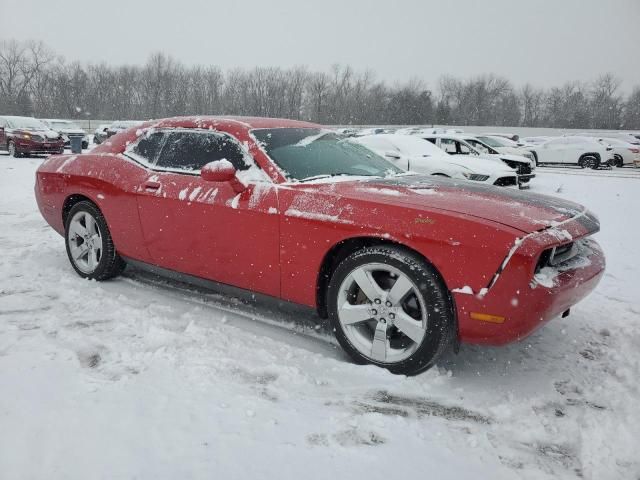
{"x":624,"y":136}
{"x":460,"y":144}
{"x":414,"y":154}
{"x":533,"y":141}
{"x":624,"y":152}
{"x":504,"y":145}
{"x":586,"y":152}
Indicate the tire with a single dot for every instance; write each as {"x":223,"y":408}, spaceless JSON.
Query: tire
{"x":13,"y":152}
{"x":535,"y":158}
{"x":589,"y":161}
{"x":85,"y":225}
{"x":619,"y":161}
{"x":405,"y":334}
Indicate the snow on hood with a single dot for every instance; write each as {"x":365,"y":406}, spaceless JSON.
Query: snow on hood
{"x":524,"y":211}
{"x":510,"y":157}
{"x":71,"y":130}
{"x":480,"y":165}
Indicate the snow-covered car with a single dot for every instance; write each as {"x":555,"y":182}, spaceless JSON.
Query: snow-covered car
{"x":68,"y":130}
{"x":504,"y":145}
{"x":415,"y":154}
{"x":624,"y":136}
{"x":100,"y":133}
{"x":514,"y":137}
{"x":23,"y":136}
{"x":460,"y":144}
{"x":586,"y":152}
{"x":121,"y":125}
{"x":371,"y":131}
{"x":624,"y":153}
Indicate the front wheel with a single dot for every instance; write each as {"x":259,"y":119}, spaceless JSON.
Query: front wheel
{"x":389,"y":307}
{"x":13,"y":151}
{"x":89,"y":244}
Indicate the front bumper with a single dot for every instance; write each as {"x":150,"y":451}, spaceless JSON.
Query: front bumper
{"x":30,"y":146}
{"x":525,"y":300}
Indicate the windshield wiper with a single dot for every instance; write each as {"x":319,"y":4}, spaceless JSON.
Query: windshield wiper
{"x":324,"y":175}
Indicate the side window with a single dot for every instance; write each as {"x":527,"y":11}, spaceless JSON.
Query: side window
{"x":148,"y":147}
{"x":462,"y":148}
{"x":478,"y":146}
{"x":191,"y":151}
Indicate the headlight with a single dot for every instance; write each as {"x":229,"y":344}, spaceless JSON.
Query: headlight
{"x":26,"y":136}
{"x":475,"y":176}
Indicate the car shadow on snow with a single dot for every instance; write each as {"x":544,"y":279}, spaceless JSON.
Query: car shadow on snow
{"x":282,"y":321}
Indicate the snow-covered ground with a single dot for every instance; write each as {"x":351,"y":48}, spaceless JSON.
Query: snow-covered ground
{"x":142,"y":378}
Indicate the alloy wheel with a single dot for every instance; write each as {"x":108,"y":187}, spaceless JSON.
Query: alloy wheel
{"x":85,"y":242}
{"x":381,"y":312}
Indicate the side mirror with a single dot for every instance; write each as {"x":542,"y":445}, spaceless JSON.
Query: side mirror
{"x":221,"y":171}
{"x":393,"y":155}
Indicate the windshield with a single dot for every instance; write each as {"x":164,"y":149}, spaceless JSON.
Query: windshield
{"x":480,"y":147}
{"x":25,"y":122}
{"x":306,"y":153}
{"x":493,"y":142}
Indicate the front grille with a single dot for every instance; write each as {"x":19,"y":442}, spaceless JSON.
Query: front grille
{"x":37,"y":138}
{"x":519,"y":167}
{"x":506,"y":182}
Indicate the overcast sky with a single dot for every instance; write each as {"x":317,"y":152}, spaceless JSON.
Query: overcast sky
{"x":544,"y":42}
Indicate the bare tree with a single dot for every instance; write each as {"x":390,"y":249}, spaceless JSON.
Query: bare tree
{"x":33,"y":81}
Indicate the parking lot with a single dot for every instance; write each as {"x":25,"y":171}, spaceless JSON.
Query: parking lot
{"x":167,"y":381}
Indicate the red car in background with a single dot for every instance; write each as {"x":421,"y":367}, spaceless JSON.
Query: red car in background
{"x":27,"y":135}
{"x":403,"y":265}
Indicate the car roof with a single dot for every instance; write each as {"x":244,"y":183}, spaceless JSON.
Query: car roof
{"x":56,"y":120}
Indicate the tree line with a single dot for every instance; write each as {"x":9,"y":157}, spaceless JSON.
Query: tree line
{"x":36,"y":81}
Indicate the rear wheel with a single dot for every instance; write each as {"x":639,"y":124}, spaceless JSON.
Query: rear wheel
{"x":89,"y":244}
{"x":390,"y":308}
{"x":619,"y":161}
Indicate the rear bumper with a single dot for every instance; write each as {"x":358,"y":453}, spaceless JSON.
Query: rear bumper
{"x":520,"y":301}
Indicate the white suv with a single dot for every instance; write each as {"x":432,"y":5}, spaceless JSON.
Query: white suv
{"x":586,"y":152}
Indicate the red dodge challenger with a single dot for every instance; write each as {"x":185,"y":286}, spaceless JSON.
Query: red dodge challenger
{"x":403,"y":265}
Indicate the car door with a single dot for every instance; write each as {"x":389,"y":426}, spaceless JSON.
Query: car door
{"x":209,"y":229}
{"x":574,"y":149}
{"x":552,"y":151}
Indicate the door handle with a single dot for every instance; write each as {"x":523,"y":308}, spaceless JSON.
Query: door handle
{"x":152,"y":186}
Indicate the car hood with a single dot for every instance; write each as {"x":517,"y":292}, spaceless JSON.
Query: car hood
{"x":527,"y":212}
{"x":49,"y":134}
{"x":513,"y":158}
{"x":480,"y":165}
{"x":67,"y":131}
{"x":510,"y":151}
